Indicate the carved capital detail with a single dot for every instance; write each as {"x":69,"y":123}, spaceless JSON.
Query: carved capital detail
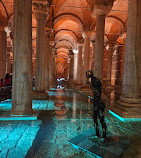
{"x":47,"y":32}
{"x":102,"y":7}
{"x":41,"y":9}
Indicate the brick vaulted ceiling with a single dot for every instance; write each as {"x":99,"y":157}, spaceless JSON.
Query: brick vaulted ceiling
{"x":68,"y":19}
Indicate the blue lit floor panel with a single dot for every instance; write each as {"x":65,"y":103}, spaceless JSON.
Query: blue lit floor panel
{"x":36,"y":105}
{"x":8,"y":117}
{"x":113,"y":148}
{"x":124,"y":119}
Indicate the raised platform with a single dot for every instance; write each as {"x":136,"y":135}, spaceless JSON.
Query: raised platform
{"x":8,"y":117}
{"x":40,"y":95}
{"x":113,"y":147}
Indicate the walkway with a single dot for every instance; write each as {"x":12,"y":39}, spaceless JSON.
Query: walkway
{"x":65,"y":115}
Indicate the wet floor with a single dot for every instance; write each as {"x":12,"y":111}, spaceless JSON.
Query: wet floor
{"x":66,"y":114}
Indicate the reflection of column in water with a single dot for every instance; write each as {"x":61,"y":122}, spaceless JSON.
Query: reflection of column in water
{"x":74,"y":108}
{"x":112,"y":98}
{"x":89,"y":104}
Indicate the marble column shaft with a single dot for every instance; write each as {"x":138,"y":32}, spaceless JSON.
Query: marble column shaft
{"x":123,"y":57}
{"x":40,"y":51}
{"x":86,"y":56}
{"x":79,"y":67}
{"x":22,"y":58}
{"x":129,"y":104}
{"x":99,"y":46}
{"x":51,"y":79}
{"x":8,"y":63}
{"x":109,"y":63}
{"x":132,"y":64}
{"x":71,"y":69}
{"x":47,"y":54}
{"x":3,"y":45}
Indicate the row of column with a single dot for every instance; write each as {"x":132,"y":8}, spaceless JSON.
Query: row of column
{"x":22,"y":62}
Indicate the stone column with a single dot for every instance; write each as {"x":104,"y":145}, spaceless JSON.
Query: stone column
{"x":51,"y":79}
{"x":47,"y":54}
{"x":8,"y":63}
{"x":78,"y":81}
{"x":123,"y":57}
{"x":71,"y":70}
{"x":87,"y":36}
{"x":22,"y":62}
{"x":41,"y":12}
{"x":34,"y":61}
{"x":109,"y":64}
{"x":129,"y":104}
{"x":99,"y":46}
{"x":3,"y":45}
{"x":101,"y":9}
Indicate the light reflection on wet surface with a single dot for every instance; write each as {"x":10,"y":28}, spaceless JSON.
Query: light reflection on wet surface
{"x":65,"y":115}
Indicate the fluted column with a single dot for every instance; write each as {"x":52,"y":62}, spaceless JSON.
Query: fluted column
{"x":3,"y":44}
{"x":129,"y":104}
{"x":22,"y":61}
{"x":47,"y":54}
{"x":87,"y":36}
{"x":109,"y":63}
{"x":41,"y":12}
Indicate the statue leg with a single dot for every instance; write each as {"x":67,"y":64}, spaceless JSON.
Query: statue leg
{"x":104,"y":126}
{"x":95,"y":116}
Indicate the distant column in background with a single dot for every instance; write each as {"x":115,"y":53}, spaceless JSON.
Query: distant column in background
{"x":3,"y":48}
{"x":109,"y":64}
{"x":79,"y":73}
{"x":51,"y":73}
{"x":47,"y":54}
{"x":87,"y":35}
{"x":8,"y":63}
{"x":71,"y":70}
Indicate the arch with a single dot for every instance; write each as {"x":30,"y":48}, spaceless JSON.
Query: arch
{"x":63,"y":40}
{"x":117,"y":18}
{"x":68,"y":35}
{"x":5,"y":9}
{"x":66,"y":30}
{"x":64,"y":18}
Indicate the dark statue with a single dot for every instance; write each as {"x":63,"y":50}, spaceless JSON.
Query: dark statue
{"x":98,"y":105}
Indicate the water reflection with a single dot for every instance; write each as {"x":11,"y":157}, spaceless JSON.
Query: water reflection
{"x":60,"y":108}
{"x":74,"y":108}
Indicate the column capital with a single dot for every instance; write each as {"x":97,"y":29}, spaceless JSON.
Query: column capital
{"x":41,"y":9}
{"x":123,"y":36}
{"x":51,"y":43}
{"x":80,"y":44}
{"x":47,"y":32}
{"x":87,"y":33}
{"x":102,"y":7}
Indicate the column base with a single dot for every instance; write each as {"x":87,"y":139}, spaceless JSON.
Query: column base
{"x":78,"y":86}
{"x":127,"y":108}
{"x":40,"y":95}
{"x":85,"y":88}
{"x":21,"y":112}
